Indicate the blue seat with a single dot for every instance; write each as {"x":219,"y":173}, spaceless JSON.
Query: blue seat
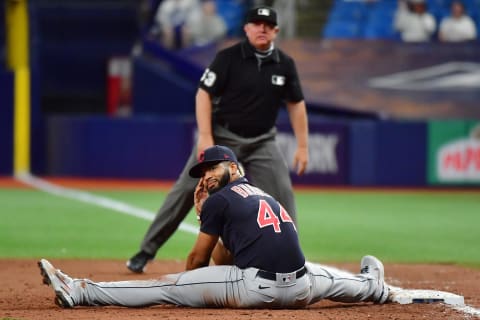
{"x":440,"y":13}
{"x":473,"y":8}
{"x":477,"y":22}
{"x":379,"y":31}
{"x":233,"y":13}
{"x":346,"y":10}
{"x":436,"y":4}
{"x":342,"y":30}
{"x":379,"y":23}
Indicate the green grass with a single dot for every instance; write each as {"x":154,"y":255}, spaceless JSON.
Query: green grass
{"x":402,"y":227}
{"x":37,"y":224}
{"x":333,"y":226}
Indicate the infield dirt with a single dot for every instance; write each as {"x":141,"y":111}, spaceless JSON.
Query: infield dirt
{"x":23,"y":296}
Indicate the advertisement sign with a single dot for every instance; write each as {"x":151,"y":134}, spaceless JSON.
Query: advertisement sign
{"x":454,"y":152}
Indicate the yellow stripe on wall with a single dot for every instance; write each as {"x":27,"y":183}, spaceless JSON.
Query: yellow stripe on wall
{"x":22,"y":121}
{"x":18,"y":61}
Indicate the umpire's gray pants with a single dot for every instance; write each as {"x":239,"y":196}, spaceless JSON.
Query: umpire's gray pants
{"x":265,"y":167}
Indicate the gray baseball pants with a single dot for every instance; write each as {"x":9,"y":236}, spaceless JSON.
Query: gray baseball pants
{"x":231,"y":287}
{"x":265,"y":166}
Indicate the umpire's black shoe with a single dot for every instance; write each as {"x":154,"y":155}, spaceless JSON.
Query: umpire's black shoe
{"x":138,"y":262}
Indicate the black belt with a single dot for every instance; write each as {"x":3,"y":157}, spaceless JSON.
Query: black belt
{"x":273,"y":276}
{"x":242,"y":130}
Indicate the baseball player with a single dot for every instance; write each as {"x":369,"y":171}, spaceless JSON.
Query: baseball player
{"x":253,"y":236}
{"x":237,"y":103}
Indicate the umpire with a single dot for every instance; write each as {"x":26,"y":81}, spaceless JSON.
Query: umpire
{"x":237,"y":105}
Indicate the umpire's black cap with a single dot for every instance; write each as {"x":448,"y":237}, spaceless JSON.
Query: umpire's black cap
{"x":211,"y":156}
{"x":262,"y":13}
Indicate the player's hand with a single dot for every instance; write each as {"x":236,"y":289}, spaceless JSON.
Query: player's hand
{"x":300,"y":160}
{"x":199,"y":197}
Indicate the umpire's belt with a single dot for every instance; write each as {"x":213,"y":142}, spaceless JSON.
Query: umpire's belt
{"x":275,"y":276}
{"x":242,"y":130}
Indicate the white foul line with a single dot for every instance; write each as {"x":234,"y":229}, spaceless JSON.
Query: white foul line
{"x":89,"y":198}
{"x":127,"y":209}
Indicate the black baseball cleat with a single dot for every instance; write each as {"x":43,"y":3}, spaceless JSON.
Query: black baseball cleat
{"x":138,"y":262}
{"x":374,"y":267}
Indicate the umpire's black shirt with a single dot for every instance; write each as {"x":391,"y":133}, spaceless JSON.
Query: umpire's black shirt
{"x":246,"y":91}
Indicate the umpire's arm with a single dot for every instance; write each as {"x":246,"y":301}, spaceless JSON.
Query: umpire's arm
{"x":203,"y":114}
{"x":297,"y":112}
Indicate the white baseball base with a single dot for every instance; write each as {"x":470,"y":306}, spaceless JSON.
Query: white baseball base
{"x":407,"y":296}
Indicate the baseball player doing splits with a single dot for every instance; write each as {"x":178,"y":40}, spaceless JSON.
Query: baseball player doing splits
{"x":254,"y":243}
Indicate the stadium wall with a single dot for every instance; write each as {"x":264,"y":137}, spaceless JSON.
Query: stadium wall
{"x":363,"y":153}
{"x":154,"y":85}
{"x":99,"y":146}
{"x":390,"y":153}
{"x":6,"y":122}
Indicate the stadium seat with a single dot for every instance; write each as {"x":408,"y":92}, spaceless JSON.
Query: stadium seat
{"x":347,"y":10}
{"x":380,"y":29}
{"x":472,"y":8}
{"x":374,"y":20}
{"x":478,"y":27}
{"x":233,"y":12}
{"x":346,"y":19}
{"x":439,"y":13}
{"x":379,"y":22}
{"x":342,"y":29}
{"x":435,"y":4}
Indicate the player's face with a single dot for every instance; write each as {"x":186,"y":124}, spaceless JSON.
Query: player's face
{"x":216,"y":177}
{"x":260,"y":34}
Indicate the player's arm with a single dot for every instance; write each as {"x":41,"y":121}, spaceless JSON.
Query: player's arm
{"x":297,"y":112}
{"x":203,"y":113}
{"x":202,"y":251}
{"x":221,"y":255}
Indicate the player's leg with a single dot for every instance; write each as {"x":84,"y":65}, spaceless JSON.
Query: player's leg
{"x":339,"y":285}
{"x":176,"y":206}
{"x":216,"y":286}
{"x":268,"y":170}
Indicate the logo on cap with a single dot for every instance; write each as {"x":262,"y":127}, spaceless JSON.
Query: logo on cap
{"x":263,"y":12}
{"x":210,"y":157}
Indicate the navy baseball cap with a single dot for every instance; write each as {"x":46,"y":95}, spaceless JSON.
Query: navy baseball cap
{"x":211,"y":156}
{"x":263,"y":13}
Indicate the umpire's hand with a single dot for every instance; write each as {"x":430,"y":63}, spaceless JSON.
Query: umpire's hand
{"x":300,"y":160}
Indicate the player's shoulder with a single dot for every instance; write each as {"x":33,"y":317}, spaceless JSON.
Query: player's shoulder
{"x":225,"y":194}
{"x":216,"y":202}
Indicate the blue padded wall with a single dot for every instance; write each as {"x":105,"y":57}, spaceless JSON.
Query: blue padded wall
{"x":6,"y":122}
{"x":141,"y":147}
{"x":157,"y":91}
{"x":363,"y":153}
{"x":367,"y":153}
{"x":388,"y":153}
{"x":401,"y":153}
